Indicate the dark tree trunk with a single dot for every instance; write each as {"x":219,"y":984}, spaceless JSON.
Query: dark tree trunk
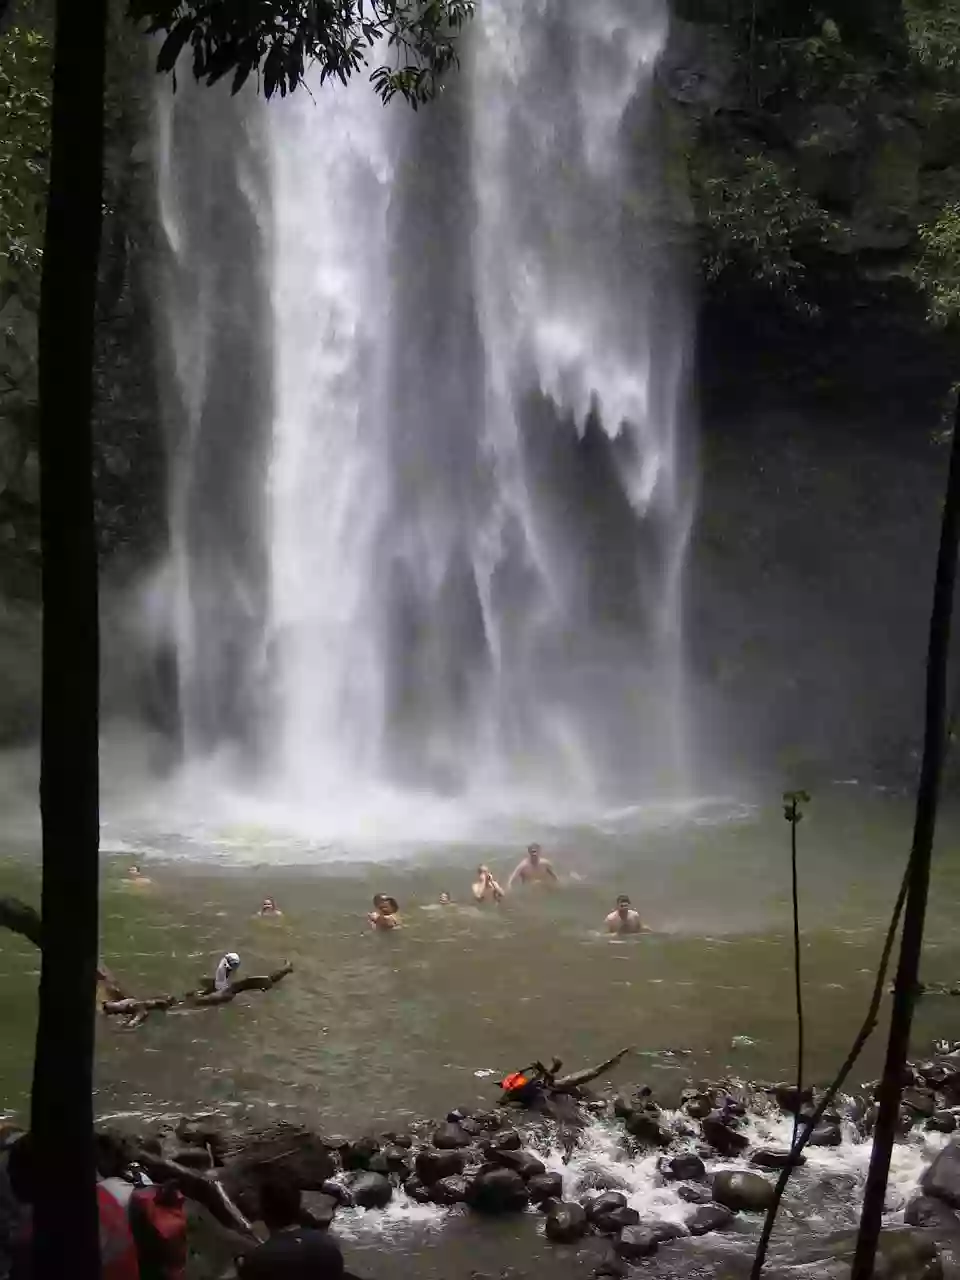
{"x":906,"y":985}
{"x":66,"y":1236}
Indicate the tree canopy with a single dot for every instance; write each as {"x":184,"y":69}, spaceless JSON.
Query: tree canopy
{"x":412,"y":42}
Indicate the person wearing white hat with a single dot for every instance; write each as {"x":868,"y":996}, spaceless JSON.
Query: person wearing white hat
{"x":225,"y":970}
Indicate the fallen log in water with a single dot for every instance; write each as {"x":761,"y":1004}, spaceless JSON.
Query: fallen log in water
{"x":19,"y":917}
{"x":572,"y":1082}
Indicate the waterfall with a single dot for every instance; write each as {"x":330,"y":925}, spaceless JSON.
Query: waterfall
{"x":432,"y":491}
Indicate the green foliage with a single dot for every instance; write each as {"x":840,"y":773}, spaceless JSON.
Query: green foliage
{"x":938,"y":266}
{"x":281,"y":39}
{"x":25,"y":69}
{"x":756,"y":222}
{"x":933,"y":33}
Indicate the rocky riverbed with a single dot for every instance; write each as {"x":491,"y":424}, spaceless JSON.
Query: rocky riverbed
{"x":596,"y":1187}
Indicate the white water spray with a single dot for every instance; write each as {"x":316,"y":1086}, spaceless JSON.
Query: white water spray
{"x":462,"y":497}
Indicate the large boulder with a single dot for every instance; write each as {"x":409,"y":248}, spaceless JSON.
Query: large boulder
{"x":921,"y":1101}
{"x":693,"y":1194}
{"x":826,"y":1135}
{"x":663,"y":1231}
{"x":645,"y":1126}
{"x":635,"y":1243}
{"x":708,"y":1217}
{"x":790,"y":1099}
{"x":599,"y":1177}
{"x":396,"y":1158}
{"x":451,"y":1137}
{"x":565,"y":1223}
{"x":372,"y":1191}
{"x":737,"y":1189}
{"x":497,"y":1190}
{"x":696,"y":1104}
{"x":545,"y":1186}
{"x":286,"y":1150}
{"x":448,"y":1191}
{"x":606,"y":1202}
{"x":942,"y":1179}
{"x":776,"y":1158}
{"x":522,"y":1162}
{"x":686,"y":1167}
{"x":417,"y":1189}
{"x":719,"y":1132}
{"x":359,"y":1154}
{"x":506,"y":1140}
{"x":613,"y":1222}
{"x":319,"y":1209}
{"x":926,"y":1211}
{"x":431,"y":1166}
{"x":941,"y":1122}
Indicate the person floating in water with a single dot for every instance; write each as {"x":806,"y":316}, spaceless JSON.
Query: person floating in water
{"x":446,"y":900}
{"x":385,"y":913}
{"x":534,"y":869}
{"x":269,"y":908}
{"x":624,"y":919}
{"x":136,"y":876}
{"x":225,"y":971}
{"x":485,"y":888}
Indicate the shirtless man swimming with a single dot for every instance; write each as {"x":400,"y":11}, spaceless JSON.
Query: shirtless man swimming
{"x":485,"y":888}
{"x":624,"y":919}
{"x":534,"y":869}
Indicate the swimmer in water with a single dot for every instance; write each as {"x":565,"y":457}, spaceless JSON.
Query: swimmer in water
{"x":624,"y":919}
{"x":385,"y":913}
{"x":136,"y":876}
{"x":485,"y":888}
{"x":534,"y":869}
{"x":269,"y":908}
{"x":446,"y":900}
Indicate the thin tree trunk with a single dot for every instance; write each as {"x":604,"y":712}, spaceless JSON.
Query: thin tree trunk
{"x":66,"y":1235}
{"x":911,"y":943}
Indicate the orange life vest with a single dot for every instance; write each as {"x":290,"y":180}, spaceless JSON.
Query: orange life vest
{"x":160,"y":1231}
{"x":516,"y":1080}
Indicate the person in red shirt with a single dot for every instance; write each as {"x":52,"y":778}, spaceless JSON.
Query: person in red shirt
{"x":118,"y":1253}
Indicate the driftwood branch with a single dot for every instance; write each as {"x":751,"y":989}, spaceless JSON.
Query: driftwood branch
{"x":19,"y":917}
{"x":206,"y":1191}
{"x":205,"y":999}
{"x":567,"y":1084}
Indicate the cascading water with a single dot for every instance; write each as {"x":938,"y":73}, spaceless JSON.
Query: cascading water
{"x":446,"y":557}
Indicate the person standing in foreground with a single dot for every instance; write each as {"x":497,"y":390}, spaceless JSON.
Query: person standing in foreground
{"x":534,"y":869}
{"x":292,"y":1252}
{"x":624,"y":919}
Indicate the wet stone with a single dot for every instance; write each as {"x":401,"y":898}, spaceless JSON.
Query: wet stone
{"x":545,"y":1186}
{"x":708,"y":1217}
{"x":612,"y":1223}
{"x":635,"y":1243}
{"x":682,"y":1168}
{"x":565,"y":1223}
{"x":737,"y":1189}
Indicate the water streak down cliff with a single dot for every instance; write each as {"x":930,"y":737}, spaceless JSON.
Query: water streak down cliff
{"x":430,"y":507}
